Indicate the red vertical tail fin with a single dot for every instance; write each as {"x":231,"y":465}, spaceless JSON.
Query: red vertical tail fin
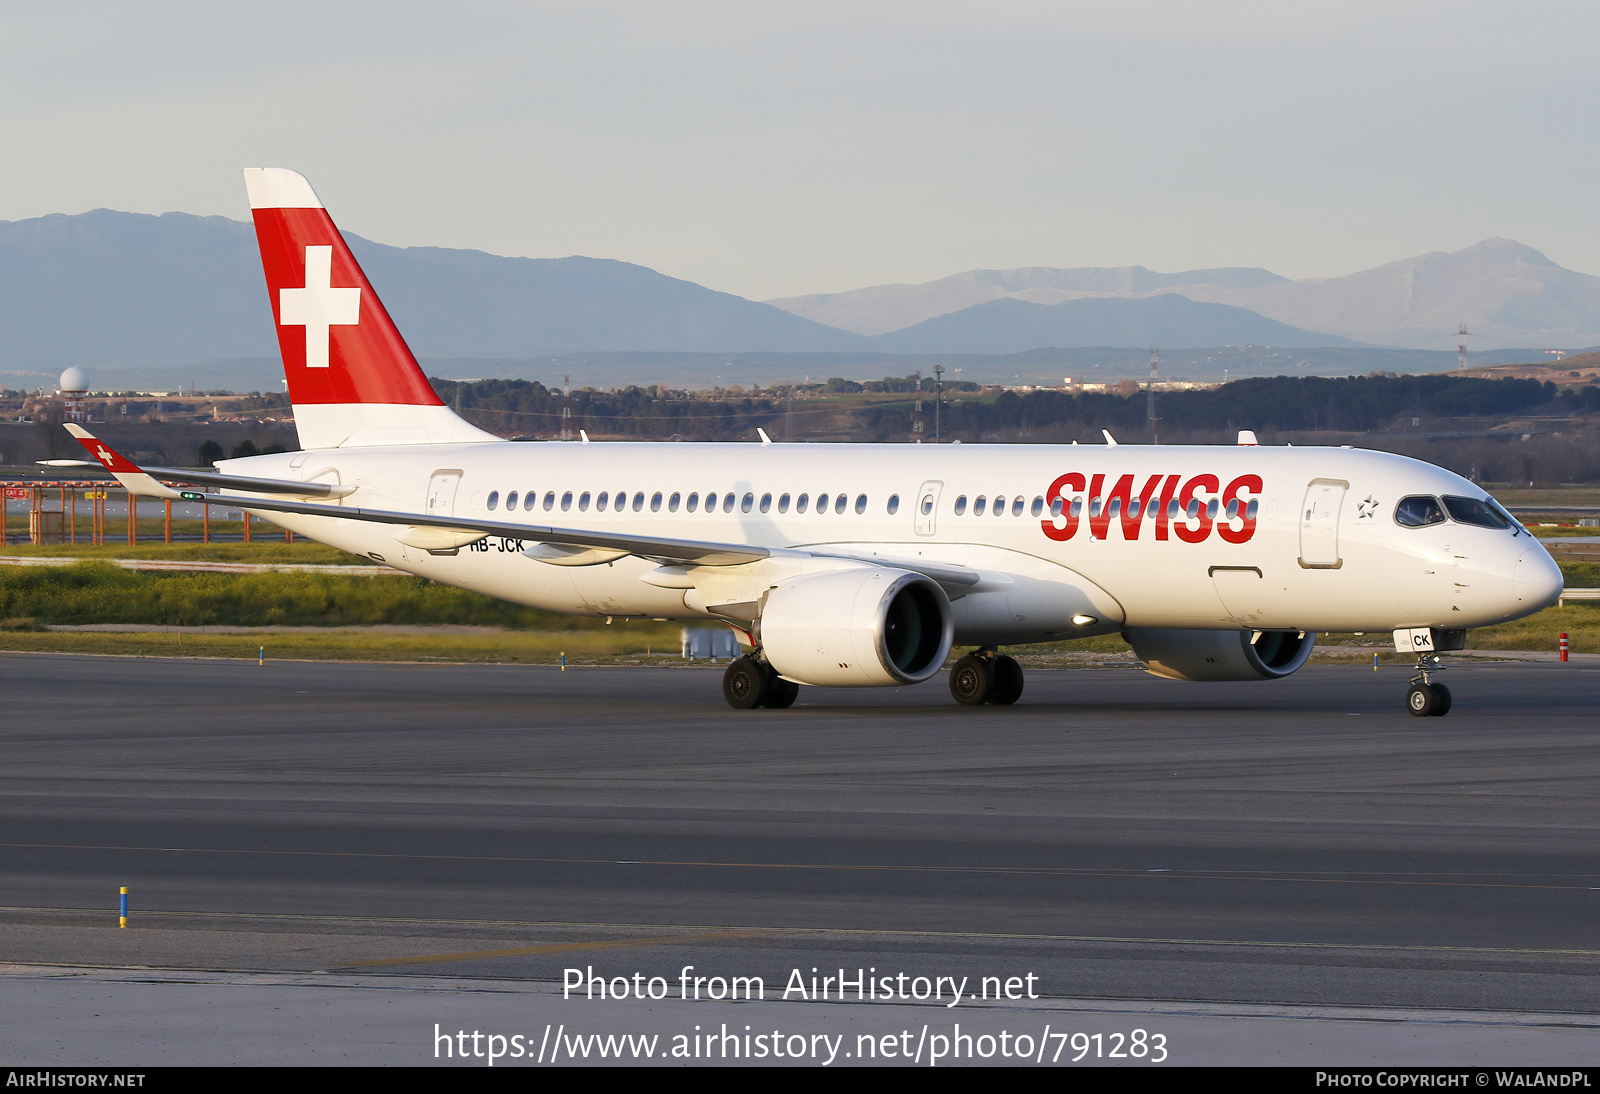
{"x":352,"y":378}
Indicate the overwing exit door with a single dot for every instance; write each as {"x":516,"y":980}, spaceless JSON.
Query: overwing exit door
{"x":1319,"y":524}
{"x":442,"y":493}
{"x":928,"y":507}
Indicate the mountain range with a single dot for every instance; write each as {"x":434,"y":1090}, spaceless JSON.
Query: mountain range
{"x":121,"y":290}
{"x":107,"y":287}
{"x":1506,"y":293}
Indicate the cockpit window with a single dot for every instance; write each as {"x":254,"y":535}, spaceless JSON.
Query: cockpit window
{"x":1418,"y":511}
{"x":1474,"y":511}
{"x":1516,"y":525}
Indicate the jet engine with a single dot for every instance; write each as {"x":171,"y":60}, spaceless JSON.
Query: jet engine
{"x":862,"y":627}
{"x":1220,"y":655}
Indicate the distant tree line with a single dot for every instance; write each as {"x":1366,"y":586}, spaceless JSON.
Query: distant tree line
{"x":1357,"y":409}
{"x":523,"y":407}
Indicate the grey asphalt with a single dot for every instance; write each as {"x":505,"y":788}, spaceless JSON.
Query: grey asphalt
{"x":1302,"y":843}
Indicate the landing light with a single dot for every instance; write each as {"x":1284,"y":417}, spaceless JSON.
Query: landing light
{"x":1084,"y":620}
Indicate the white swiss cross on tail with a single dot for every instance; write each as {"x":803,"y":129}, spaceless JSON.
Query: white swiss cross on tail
{"x":319,"y":306}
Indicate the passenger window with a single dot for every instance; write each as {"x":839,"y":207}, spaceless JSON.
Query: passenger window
{"x":655,"y":502}
{"x":511,"y":501}
{"x":494,"y":499}
{"x":748,"y":503}
{"x":566,"y":501}
{"x":1211,"y":509}
{"x":528,"y":499}
{"x":549,"y":500}
{"x":1016,"y":505}
{"x":1094,"y":507}
{"x":583,"y":502}
{"x":1133,"y":507}
{"x":980,"y":505}
{"x":840,"y":502}
{"x":1194,"y":508}
{"x":861,"y":504}
{"x":672,"y":503}
{"x":927,"y":504}
{"x":783,"y":504}
{"x":1077,"y":507}
{"x":1466,"y":510}
{"x":801,"y":503}
{"x":961,"y":505}
{"x":766,"y":502}
{"x":694,"y":502}
{"x":1250,"y":510}
{"x":1172,"y":508}
{"x":894,"y":504}
{"x":1233,"y":508}
{"x":1038,"y":507}
{"x":1057,"y":505}
{"x":727,"y":503}
{"x":638,"y":501}
{"x":999,"y":506}
{"x":1116,"y":507}
{"x":600,"y":502}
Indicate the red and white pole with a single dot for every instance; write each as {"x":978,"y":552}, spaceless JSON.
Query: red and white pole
{"x":1563,"y":647}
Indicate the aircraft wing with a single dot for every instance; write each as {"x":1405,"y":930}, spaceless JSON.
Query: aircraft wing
{"x":262,"y":486}
{"x":455,"y":531}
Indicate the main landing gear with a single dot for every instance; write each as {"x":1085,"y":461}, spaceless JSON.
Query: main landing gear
{"x":1426,"y":699}
{"x":750,"y":683}
{"x":983,"y":676}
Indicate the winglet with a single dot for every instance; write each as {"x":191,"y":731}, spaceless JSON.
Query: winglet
{"x":1110,"y":440}
{"x":128,"y":473}
{"x":765,"y":440}
{"x":584,"y":435}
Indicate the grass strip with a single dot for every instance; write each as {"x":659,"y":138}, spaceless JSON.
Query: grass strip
{"x":259,"y":550}
{"x":653,"y":642}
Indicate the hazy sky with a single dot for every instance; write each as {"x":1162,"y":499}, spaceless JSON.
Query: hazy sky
{"x":780,"y":148}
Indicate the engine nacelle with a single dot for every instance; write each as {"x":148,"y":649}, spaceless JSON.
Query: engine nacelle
{"x":864,"y":627}
{"x":1220,"y":655}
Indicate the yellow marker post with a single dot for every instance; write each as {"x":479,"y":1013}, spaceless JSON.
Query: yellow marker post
{"x":122,"y":920}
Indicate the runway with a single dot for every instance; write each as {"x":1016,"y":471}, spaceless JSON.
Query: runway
{"x":1303,"y":842}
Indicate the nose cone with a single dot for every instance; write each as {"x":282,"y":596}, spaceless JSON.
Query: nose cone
{"x":1537,"y":580}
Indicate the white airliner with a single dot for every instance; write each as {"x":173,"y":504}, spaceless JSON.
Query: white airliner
{"x":857,"y":565}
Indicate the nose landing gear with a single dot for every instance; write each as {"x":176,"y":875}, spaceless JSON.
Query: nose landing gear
{"x":986,"y":677}
{"x":1426,"y":699}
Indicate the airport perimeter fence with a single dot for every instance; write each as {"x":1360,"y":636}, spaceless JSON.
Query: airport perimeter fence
{"x":95,"y":513}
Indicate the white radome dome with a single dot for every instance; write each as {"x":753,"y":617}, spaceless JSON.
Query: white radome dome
{"x":75,"y":379}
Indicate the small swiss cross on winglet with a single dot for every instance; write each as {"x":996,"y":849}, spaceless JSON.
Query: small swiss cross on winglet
{"x":126,"y":471}
{"x":97,"y":448}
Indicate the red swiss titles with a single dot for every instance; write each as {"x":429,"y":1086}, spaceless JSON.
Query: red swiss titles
{"x":1190,"y":513}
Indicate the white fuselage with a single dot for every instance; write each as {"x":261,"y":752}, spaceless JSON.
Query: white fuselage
{"x":1315,"y":547}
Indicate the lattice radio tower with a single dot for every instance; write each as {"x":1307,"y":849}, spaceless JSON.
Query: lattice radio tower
{"x":919,"y":427}
{"x":1150,"y":396}
{"x":566,"y":408}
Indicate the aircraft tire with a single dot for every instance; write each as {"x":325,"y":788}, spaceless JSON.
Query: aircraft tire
{"x":744,"y":684}
{"x":972,"y":680}
{"x":1441,"y":701}
{"x":1420,"y":700}
{"x":781,"y":693}
{"x":1008,"y":681}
